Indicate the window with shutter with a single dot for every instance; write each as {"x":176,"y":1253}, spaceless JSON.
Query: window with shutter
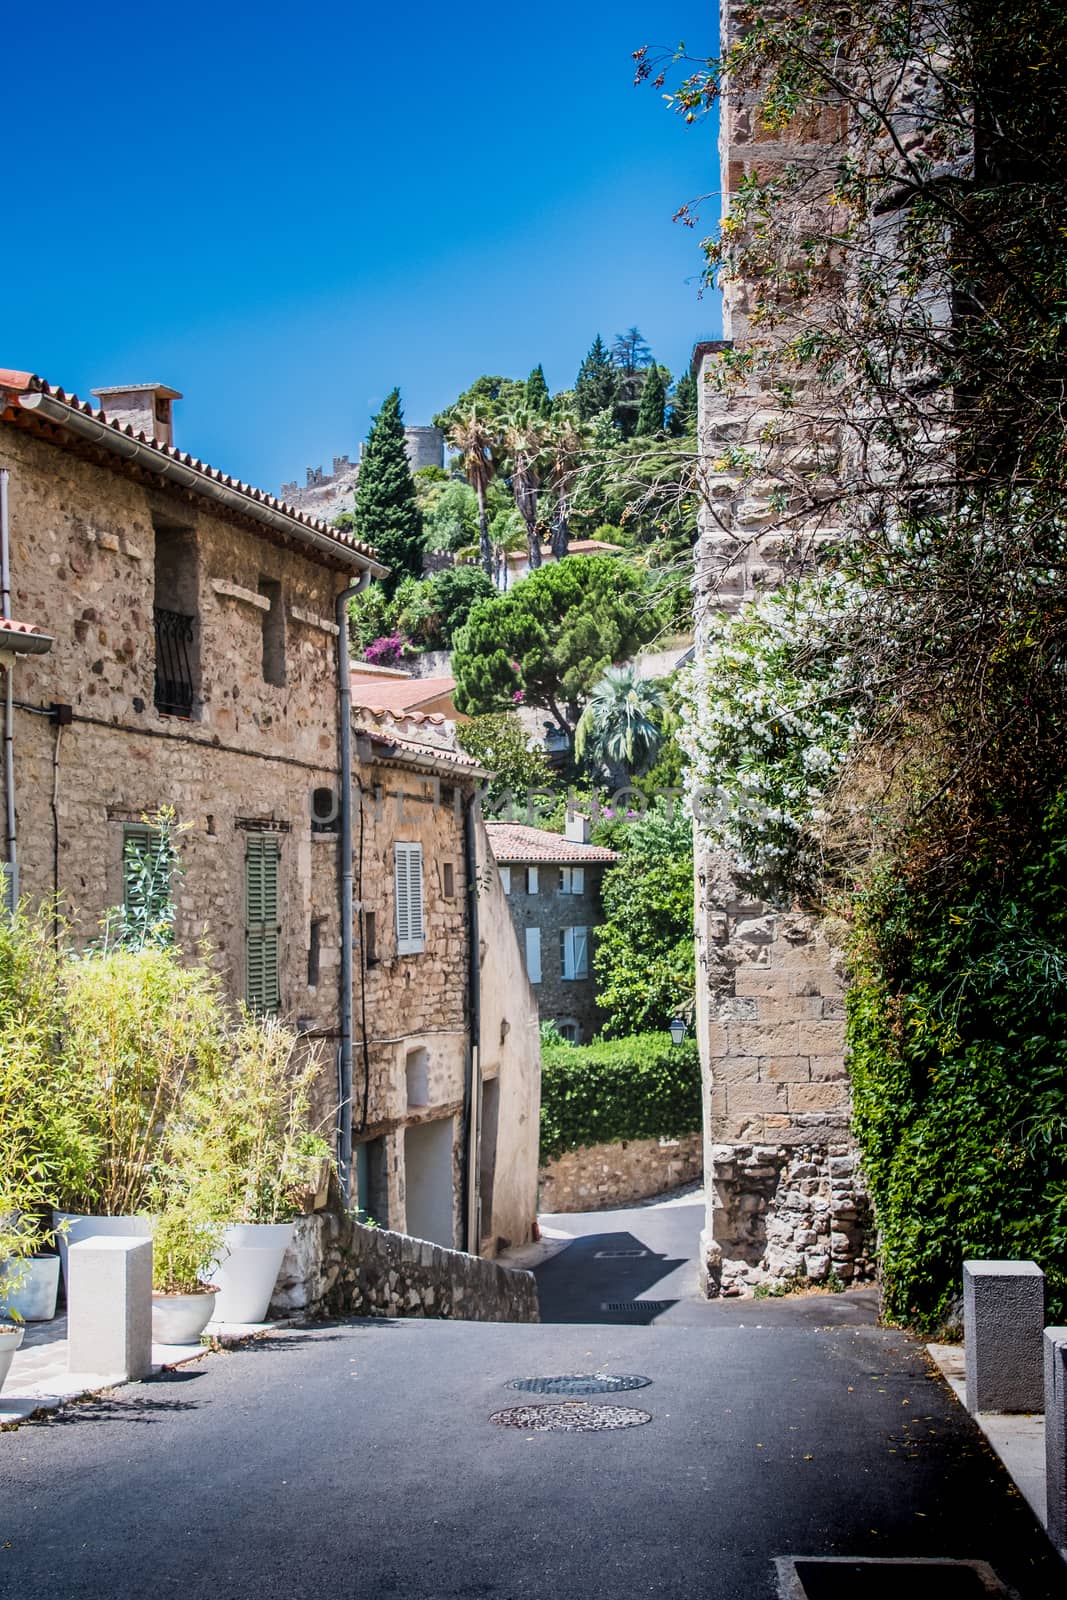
{"x":262,"y":928}
{"x":505,"y":879}
{"x":532,"y":880}
{"x":574,"y":952}
{"x":407,"y":880}
{"x":533,"y":954}
{"x":572,"y":880}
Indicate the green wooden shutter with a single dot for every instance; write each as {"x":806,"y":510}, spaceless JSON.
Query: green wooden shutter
{"x":262,"y":929}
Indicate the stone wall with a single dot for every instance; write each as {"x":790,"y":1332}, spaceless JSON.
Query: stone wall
{"x":335,"y":1267}
{"x":597,"y":1176}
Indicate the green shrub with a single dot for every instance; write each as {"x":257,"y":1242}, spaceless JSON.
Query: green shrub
{"x":644,"y":1087}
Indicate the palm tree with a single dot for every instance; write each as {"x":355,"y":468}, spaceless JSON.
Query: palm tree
{"x":524,"y":436}
{"x":623,"y":723}
{"x":475,"y":434}
{"x":567,"y":439}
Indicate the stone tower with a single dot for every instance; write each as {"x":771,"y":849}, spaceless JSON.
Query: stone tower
{"x":783,"y":1196}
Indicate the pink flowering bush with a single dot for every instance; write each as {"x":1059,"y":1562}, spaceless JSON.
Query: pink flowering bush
{"x":387,"y":651}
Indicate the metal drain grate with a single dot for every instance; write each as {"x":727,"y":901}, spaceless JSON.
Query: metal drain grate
{"x":859,"y":1578}
{"x":619,"y":1255}
{"x":581,"y":1383}
{"x":644,"y":1307}
{"x":574,"y":1416}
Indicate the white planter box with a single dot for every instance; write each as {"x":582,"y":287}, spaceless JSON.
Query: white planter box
{"x":35,"y":1298}
{"x":247,"y":1269}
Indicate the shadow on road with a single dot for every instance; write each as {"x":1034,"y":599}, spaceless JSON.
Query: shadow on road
{"x":606,"y":1277}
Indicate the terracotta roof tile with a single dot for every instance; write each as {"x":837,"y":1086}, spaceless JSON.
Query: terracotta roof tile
{"x":515,"y":842}
{"x":26,"y":382}
{"x":402,"y":696}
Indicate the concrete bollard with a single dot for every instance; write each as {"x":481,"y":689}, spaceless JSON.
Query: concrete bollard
{"x":109,"y":1306}
{"x":1056,"y":1435}
{"x":1003,"y":1327}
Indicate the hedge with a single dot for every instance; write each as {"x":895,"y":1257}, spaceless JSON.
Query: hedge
{"x":644,"y":1087}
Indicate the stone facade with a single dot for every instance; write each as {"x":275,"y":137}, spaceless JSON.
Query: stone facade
{"x":784,"y":1195}
{"x":100,"y":543}
{"x":598,"y":1176}
{"x":336,"y":1267}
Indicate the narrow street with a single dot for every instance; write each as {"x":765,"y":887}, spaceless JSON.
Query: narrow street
{"x":358,"y":1458}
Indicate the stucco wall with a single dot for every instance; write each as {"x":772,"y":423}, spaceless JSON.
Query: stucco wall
{"x":511,"y":1055}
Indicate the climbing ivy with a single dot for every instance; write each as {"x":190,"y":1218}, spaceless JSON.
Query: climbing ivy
{"x":644,"y":1087}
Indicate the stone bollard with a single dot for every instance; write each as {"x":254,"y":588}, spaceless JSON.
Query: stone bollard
{"x":109,"y":1306}
{"x":1003,"y":1326}
{"x":1056,"y":1435}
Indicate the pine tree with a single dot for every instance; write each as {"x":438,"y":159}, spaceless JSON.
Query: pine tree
{"x":597,"y":386}
{"x":683,"y":418}
{"x":538,"y":399}
{"x":387,"y":514}
{"x":653,"y":404}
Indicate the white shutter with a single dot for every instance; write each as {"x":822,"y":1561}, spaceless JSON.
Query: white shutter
{"x":533,"y":954}
{"x":532,"y":880}
{"x":577,"y":880}
{"x":566,"y":953}
{"x":407,"y":881}
{"x":580,"y":938}
{"x":505,"y":879}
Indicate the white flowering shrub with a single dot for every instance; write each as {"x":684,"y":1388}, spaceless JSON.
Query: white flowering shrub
{"x":770,"y":715}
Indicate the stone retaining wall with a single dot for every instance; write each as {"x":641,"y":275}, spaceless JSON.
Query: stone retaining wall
{"x":601,"y":1175}
{"x":336,"y":1267}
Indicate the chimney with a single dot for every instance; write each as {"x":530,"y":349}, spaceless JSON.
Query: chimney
{"x":144,"y":407}
{"x":577,"y":828}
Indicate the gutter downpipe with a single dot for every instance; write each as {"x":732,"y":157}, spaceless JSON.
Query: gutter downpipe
{"x":344,"y":1074}
{"x":10,"y":824}
{"x":473,"y":1065}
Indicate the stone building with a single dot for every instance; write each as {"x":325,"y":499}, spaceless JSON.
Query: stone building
{"x":326,"y":494}
{"x":784,"y":1194}
{"x":553,"y":886}
{"x":196,"y":663}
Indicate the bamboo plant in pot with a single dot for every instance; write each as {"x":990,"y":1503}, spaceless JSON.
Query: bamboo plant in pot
{"x":185,"y":1243}
{"x":253,"y":1113}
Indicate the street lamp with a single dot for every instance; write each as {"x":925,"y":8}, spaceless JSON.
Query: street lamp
{"x":677,"y":1026}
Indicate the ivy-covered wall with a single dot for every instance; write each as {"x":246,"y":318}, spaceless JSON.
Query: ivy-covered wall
{"x":957,"y":1027}
{"x":644,"y":1087}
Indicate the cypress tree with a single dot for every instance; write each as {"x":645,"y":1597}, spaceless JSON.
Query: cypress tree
{"x":653,"y":404}
{"x":538,"y":399}
{"x":683,"y":417}
{"x":387,"y":513}
{"x":597,"y":386}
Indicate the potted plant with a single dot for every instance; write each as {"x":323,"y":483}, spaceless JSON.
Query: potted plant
{"x":185,"y":1243}
{"x":249,"y":1118}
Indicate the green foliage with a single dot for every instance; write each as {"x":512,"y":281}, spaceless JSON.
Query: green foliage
{"x":643,"y":1087}
{"x":492,"y":395}
{"x":185,"y":1244}
{"x":433,"y":610}
{"x":547,"y":641}
{"x":597,"y":386}
{"x":387,"y":513}
{"x":500,"y":744}
{"x":957,"y":1032}
{"x":650,"y":413}
{"x":451,"y":517}
{"x":622,"y":726}
{"x":644,"y":953}
{"x":683,"y":413}
{"x":151,"y":862}
{"x":538,"y":398}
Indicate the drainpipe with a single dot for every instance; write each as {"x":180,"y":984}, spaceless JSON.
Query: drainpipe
{"x":344,"y":1108}
{"x":473,"y":1068}
{"x":10,"y":826}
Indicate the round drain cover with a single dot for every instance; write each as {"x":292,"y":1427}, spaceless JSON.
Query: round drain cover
{"x":582,"y":1383}
{"x":574,"y":1416}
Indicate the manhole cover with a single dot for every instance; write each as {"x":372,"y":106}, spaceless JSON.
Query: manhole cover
{"x":647,"y":1308}
{"x":574,"y":1416}
{"x":858,"y":1578}
{"x":581,"y":1383}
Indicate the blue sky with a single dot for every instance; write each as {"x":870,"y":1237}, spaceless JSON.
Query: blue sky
{"x":285,"y":211}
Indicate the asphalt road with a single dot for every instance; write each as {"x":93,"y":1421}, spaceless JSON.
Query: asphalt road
{"x":358,"y":1460}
